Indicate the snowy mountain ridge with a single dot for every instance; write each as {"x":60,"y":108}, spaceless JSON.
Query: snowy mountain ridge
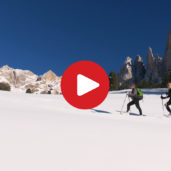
{"x":22,"y":80}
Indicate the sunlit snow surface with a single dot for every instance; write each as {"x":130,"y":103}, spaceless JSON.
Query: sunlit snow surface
{"x":44,"y":133}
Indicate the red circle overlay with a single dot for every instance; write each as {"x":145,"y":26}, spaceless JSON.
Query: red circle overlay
{"x":92,"y":71}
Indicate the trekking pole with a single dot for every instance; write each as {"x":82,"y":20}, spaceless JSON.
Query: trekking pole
{"x":123,"y":104}
{"x":163,"y":106}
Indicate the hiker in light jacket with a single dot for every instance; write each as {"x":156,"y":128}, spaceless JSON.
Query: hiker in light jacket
{"x":136,"y":97}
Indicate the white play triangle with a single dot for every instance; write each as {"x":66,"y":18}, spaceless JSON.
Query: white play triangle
{"x":85,"y":85}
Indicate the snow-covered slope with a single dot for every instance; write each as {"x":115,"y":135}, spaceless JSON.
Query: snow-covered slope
{"x":44,"y":133}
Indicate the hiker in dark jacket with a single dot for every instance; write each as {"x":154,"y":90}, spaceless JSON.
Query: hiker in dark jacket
{"x":168,"y":95}
{"x":135,"y":99}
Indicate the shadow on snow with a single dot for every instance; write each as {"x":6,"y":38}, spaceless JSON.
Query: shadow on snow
{"x":135,"y":114}
{"x":101,"y":111}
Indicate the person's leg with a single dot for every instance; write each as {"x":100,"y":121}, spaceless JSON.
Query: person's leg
{"x":138,"y":106}
{"x":167,"y":106}
{"x":129,"y":105}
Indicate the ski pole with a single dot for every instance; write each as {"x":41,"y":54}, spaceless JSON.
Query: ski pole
{"x":123,"y":104}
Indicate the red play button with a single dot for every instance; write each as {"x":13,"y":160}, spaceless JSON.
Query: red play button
{"x":85,"y":85}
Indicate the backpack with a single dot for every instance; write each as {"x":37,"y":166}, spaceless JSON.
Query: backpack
{"x":140,"y":94}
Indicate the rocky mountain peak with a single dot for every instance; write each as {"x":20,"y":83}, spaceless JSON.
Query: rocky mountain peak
{"x":167,"y":55}
{"x":50,"y":76}
{"x":128,"y":61}
{"x":126,"y":73}
{"x":155,"y":68}
{"x":6,"y":67}
{"x":158,"y":58}
{"x":168,"y":44}
{"x":150,"y":51}
{"x":50,"y":72}
{"x":21,"y":80}
{"x":150,"y":58}
{"x":139,"y":69}
{"x":138,"y":59}
{"x":137,"y":72}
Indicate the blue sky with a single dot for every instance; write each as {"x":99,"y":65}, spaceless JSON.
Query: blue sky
{"x":42,"y":35}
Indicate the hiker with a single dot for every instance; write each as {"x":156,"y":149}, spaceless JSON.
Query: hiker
{"x":168,"y":95}
{"x":136,"y":95}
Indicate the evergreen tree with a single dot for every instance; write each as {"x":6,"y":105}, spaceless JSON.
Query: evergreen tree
{"x":113,"y":81}
{"x":152,"y":85}
{"x":166,"y":80}
{"x":144,"y":84}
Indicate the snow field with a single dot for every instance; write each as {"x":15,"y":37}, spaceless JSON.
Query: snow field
{"x":43,"y":132}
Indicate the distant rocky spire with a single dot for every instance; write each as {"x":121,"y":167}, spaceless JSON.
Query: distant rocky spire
{"x":150,"y":65}
{"x":138,"y":59}
{"x":168,"y":44}
{"x":128,"y":61}
{"x":150,"y":58}
{"x":157,"y":56}
{"x":157,"y":72}
{"x":154,"y":70}
{"x":139,"y":69}
{"x":126,"y":73}
{"x":167,"y":54}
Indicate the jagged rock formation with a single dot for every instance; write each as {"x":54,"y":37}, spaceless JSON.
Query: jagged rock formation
{"x":16,"y":77}
{"x":21,"y":80}
{"x":50,"y":76}
{"x":154,"y":70}
{"x":157,"y":70}
{"x":150,"y":65}
{"x":136,"y":73}
{"x":167,"y":55}
{"x":139,"y":69}
{"x":126,"y":73}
